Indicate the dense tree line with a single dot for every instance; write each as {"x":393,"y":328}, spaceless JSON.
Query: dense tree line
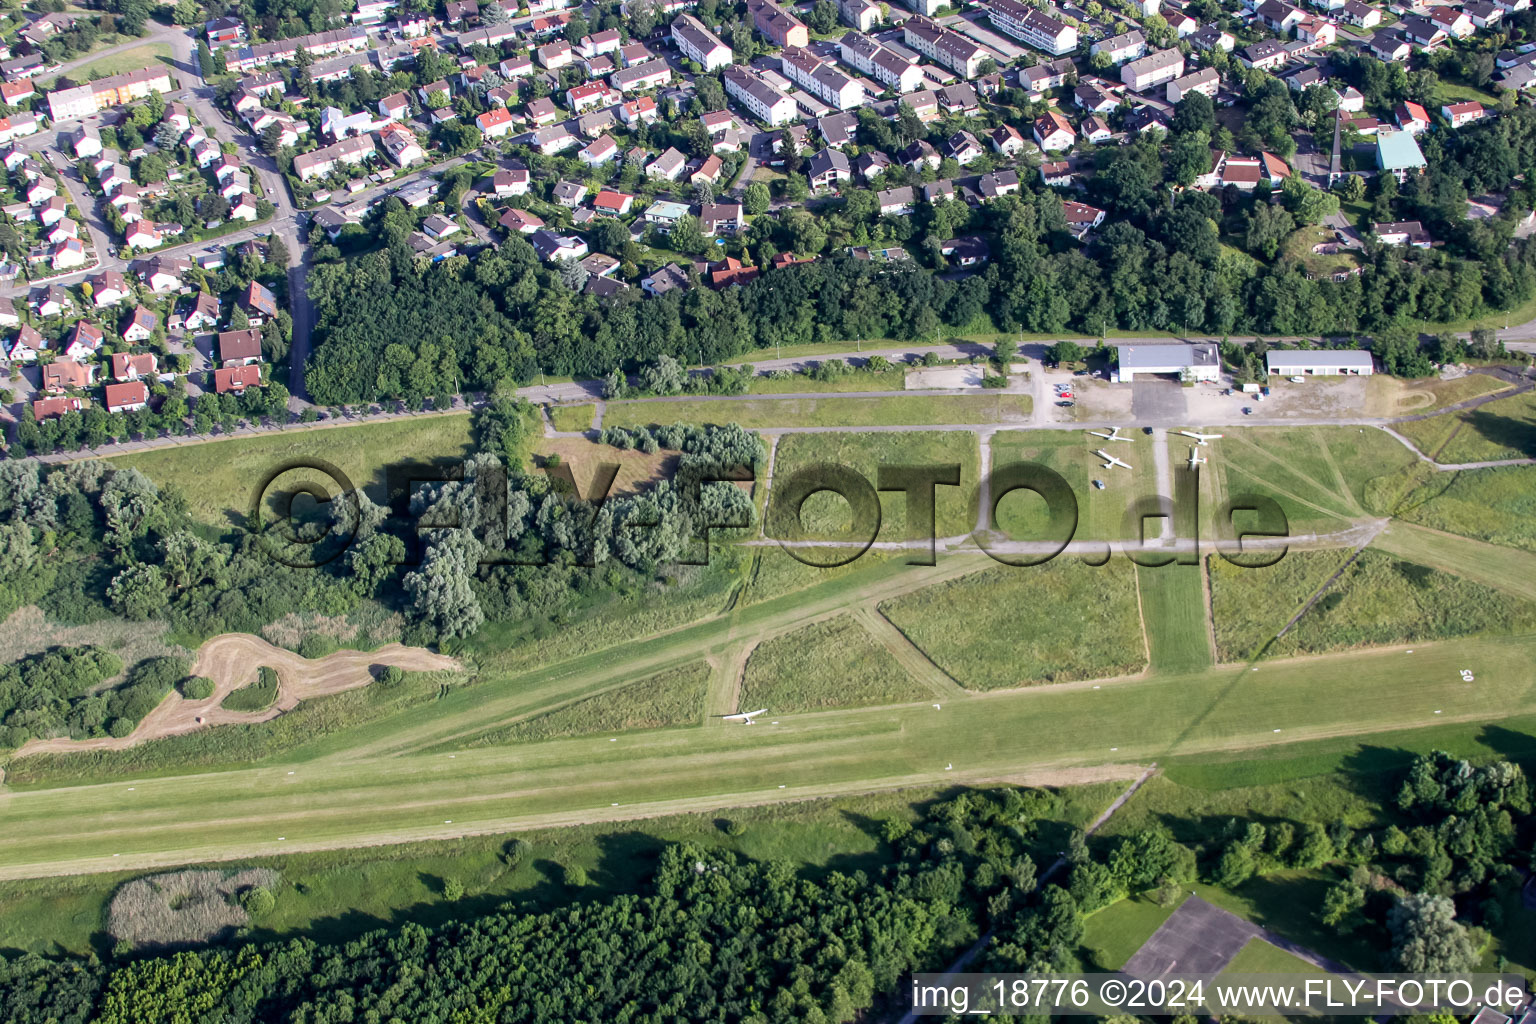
{"x":1159,"y":264}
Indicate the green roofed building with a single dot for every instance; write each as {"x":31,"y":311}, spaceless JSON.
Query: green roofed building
{"x":1398,"y":154}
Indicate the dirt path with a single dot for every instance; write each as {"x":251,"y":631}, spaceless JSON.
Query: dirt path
{"x":231,"y":661}
{"x":907,"y":654}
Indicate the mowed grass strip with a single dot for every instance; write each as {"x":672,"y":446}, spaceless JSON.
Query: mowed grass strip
{"x":1006,"y":626}
{"x":916,"y":410}
{"x":1174,"y":613}
{"x":1033,"y":736}
{"x":829,"y":664}
{"x":572,"y":417}
{"x":219,"y":478}
{"x":1379,"y":599}
{"x":827,"y":516}
{"x":671,"y":698}
{"x":1500,"y":568}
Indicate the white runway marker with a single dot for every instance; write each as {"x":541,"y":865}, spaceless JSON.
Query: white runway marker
{"x":936,"y":707}
{"x":1437,"y":712}
{"x":1113,"y":749}
{"x":614,"y":740}
{"x":1277,"y":730}
{"x":290,"y":773}
{"x":1095,"y":687}
{"x":281,"y":838}
{"x":949,"y":767}
{"x":781,"y":787}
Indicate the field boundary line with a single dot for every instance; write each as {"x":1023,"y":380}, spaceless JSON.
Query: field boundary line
{"x":1141,"y":617}
{"x":912,"y":658}
{"x":1328,"y":584}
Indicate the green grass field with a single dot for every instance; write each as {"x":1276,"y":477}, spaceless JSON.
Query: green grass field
{"x":255,"y":696}
{"x":671,"y":698}
{"x":1259,"y":957}
{"x":1102,"y":514}
{"x":826,"y":514}
{"x":1502,"y":429}
{"x":830,"y":664}
{"x":1112,"y":936}
{"x":915,"y":410}
{"x":1173,"y":608}
{"x":1493,"y":505}
{"x":572,"y":417}
{"x":1007,"y":627}
{"x":1379,"y":599}
{"x":133,"y":59}
{"x":1318,"y":475}
{"x":219,"y":478}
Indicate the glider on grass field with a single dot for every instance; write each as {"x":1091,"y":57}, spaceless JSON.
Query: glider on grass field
{"x":1194,"y":459}
{"x":1110,"y":460}
{"x":1113,"y":435}
{"x":1200,"y":438}
{"x":745,"y":717}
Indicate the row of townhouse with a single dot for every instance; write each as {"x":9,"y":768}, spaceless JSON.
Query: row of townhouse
{"x":820,"y":78}
{"x":321,"y":162}
{"x":870,"y":57}
{"x":85,"y":100}
{"x":754,"y":92}
{"x":949,"y":48}
{"x":1033,"y":26}
{"x":318,"y":44}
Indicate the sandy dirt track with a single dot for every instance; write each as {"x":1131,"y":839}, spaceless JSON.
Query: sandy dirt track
{"x":231,"y":661}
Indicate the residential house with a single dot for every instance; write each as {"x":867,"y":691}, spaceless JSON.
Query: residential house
{"x":755,"y":93}
{"x":551,"y":246}
{"x":720,"y":219}
{"x":520,"y":222}
{"x":699,"y":44}
{"x":665,"y":279}
{"x":130,"y":396}
{"x":1465,"y":113}
{"x":1006,"y":141}
{"x":668,"y":165}
{"x":612,"y":203}
{"x":827,"y":168}
{"x":259,"y":303}
{"x":1407,"y":232}
{"x":1053,"y":132}
{"x":236,"y":379}
{"x":139,"y":325}
{"x":132,"y":367}
{"x":1205,"y":81}
{"x":66,"y":373}
{"x":239,"y":348}
{"x":777,"y":25}
{"x":1034,"y":27}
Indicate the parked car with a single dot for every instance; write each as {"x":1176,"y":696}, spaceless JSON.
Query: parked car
{"x":1298,"y":380}
{"x":1247,"y":411}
